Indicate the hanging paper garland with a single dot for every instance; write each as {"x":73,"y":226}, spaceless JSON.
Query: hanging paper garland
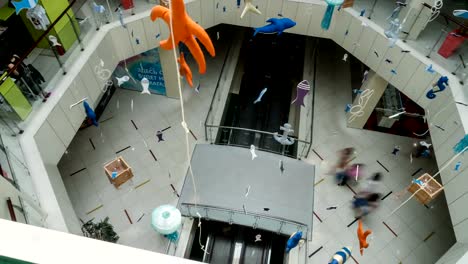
{"x":327,"y":17}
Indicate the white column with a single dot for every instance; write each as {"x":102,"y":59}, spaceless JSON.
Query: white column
{"x":169,"y":67}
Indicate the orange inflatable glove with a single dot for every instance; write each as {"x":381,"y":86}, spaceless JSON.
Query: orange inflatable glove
{"x":362,"y":236}
{"x":185,"y":30}
{"x":185,"y":69}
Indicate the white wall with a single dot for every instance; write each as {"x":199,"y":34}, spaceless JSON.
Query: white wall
{"x":40,"y":245}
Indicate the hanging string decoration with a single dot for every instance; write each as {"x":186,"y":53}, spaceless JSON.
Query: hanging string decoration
{"x":327,"y":17}
{"x":184,"y":31}
{"x":249,"y":7}
{"x":356,"y":110}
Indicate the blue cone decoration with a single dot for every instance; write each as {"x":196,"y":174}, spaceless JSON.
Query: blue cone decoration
{"x":327,"y":17}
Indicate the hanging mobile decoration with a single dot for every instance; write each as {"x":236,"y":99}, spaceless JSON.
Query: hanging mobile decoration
{"x":185,"y":30}
{"x":166,"y":220}
{"x":24,"y":4}
{"x":327,"y":17}
{"x":362,"y":236}
{"x":284,"y":139}
{"x":431,"y":94}
{"x":249,"y":7}
{"x":302,"y":90}
{"x":276,"y":25}
{"x":293,"y":241}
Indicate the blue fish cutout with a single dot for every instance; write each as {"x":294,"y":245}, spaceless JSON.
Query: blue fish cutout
{"x":429,"y":69}
{"x":393,"y":71}
{"x":197,"y":89}
{"x":277,"y":25}
{"x":90,"y":113}
{"x":347,"y":108}
{"x":259,"y":98}
{"x":457,"y":166}
{"x":159,"y":136}
{"x":98,"y":8}
{"x":24,"y":4}
{"x":293,"y":241}
{"x":157,"y":36}
{"x":461,"y":145}
{"x":121,"y":18}
{"x":224,"y":9}
{"x":418,"y":182}
{"x":363,"y":11}
{"x":461,"y":13}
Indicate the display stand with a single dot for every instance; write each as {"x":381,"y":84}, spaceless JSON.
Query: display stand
{"x":118,"y":172}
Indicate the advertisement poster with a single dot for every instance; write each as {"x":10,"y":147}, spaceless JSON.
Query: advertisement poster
{"x":145,"y":65}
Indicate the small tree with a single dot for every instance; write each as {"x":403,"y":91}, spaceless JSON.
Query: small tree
{"x":101,"y":231}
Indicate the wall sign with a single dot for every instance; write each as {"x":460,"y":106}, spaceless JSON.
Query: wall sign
{"x":145,"y":65}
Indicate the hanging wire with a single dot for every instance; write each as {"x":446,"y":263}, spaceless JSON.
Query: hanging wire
{"x":184,"y":124}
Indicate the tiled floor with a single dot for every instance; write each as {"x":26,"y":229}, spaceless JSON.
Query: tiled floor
{"x":403,"y":239}
{"x":400,"y":239}
{"x":136,"y":129}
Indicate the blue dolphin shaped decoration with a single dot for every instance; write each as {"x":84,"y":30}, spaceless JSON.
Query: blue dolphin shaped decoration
{"x":24,"y":4}
{"x":277,"y":25}
{"x":90,"y":113}
{"x":293,"y":241}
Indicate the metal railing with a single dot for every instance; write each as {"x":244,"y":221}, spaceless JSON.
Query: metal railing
{"x":234,"y":216}
{"x":302,"y":146}
{"x":427,"y":29}
{"x":299,"y":150}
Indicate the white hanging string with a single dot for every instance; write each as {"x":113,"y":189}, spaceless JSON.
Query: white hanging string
{"x":184,"y":124}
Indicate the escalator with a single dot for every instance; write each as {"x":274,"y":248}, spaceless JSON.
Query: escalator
{"x":272,"y":62}
{"x":228,"y":244}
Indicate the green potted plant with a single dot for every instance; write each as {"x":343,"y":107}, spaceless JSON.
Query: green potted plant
{"x":102,"y":230}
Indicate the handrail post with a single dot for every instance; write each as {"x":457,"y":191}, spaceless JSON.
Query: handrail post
{"x":57,"y":57}
{"x":76,"y":31}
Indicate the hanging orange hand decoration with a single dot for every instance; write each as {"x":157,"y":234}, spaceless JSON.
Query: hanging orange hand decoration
{"x":185,"y":69}
{"x":184,"y":30}
{"x":362,"y":236}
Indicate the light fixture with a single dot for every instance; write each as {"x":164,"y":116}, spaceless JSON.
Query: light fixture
{"x":397,"y":114}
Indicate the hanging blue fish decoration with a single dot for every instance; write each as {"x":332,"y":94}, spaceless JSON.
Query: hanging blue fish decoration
{"x":90,"y":113}
{"x":461,"y":13}
{"x":293,"y":241}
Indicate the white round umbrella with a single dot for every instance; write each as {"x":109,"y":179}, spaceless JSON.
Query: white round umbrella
{"x":166,"y":219}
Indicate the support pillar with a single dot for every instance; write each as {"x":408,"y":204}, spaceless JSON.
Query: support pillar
{"x":376,"y":84}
